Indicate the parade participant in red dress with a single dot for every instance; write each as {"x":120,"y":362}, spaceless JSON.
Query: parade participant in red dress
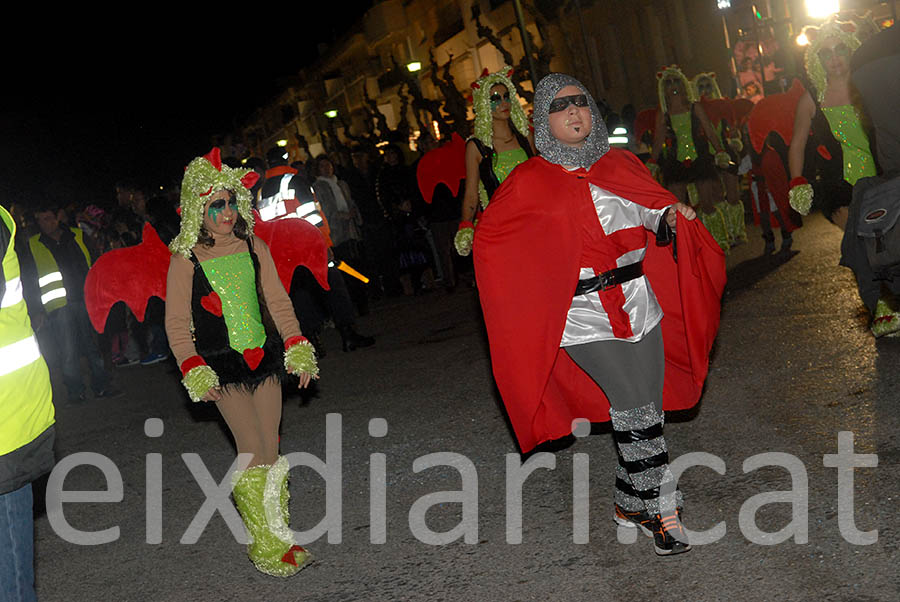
{"x":586,"y":320}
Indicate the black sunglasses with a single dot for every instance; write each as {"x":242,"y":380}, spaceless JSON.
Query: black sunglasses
{"x":562,"y":103}
{"x":496,"y":97}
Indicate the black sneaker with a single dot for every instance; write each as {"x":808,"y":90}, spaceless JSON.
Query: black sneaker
{"x":668,"y":535}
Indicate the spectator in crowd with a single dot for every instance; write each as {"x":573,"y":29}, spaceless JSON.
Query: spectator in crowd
{"x":378,"y":239}
{"x":346,"y":225}
{"x":61,"y":262}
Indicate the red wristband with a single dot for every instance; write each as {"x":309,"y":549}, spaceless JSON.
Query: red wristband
{"x":191,"y":363}
{"x":798,"y":181}
{"x":465,"y":224}
{"x":293,"y":341}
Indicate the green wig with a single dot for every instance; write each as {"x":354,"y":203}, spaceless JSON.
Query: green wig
{"x":832,"y":28}
{"x":481,"y":100}
{"x":202,"y":177}
{"x":672,"y":71}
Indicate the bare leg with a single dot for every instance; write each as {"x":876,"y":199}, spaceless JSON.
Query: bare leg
{"x":253,"y":419}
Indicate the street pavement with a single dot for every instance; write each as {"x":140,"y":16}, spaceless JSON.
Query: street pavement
{"x":794,"y":366}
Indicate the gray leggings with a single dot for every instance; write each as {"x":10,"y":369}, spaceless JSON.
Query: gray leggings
{"x":630,"y":374}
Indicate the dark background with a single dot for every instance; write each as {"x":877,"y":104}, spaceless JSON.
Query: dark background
{"x":84,"y":105}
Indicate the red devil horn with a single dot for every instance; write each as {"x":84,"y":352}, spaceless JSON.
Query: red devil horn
{"x":485,"y":73}
{"x":215,"y":157}
{"x":475,"y":85}
{"x":250,"y":180}
{"x":510,"y":72}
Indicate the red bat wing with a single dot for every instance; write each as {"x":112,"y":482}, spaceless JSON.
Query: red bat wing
{"x":443,"y":165}
{"x":644,"y":122}
{"x":774,"y":113}
{"x":718,"y":110}
{"x":295,"y":242}
{"x":131,"y":274}
{"x":742,"y":108}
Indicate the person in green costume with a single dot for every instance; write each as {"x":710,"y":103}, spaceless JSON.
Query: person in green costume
{"x":706,"y":88}
{"x":232,"y":329}
{"x":682,"y":127}
{"x":829,"y":148}
{"x":501,"y":141}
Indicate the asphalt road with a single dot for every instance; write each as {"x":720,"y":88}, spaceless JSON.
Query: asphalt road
{"x":793,"y":367}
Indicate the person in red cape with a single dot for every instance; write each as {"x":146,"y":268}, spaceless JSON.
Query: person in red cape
{"x":589,"y":316}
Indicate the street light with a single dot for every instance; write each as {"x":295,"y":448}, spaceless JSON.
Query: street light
{"x":414,"y":66}
{"x":331,"y":113}
{"x":282,"y":143}
{"x":723,"y":4}
{"x":822,"y":9}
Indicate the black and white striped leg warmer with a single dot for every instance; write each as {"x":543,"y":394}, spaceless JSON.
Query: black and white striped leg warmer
{"x":644,"y":460}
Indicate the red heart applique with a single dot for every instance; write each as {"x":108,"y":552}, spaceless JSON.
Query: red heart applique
{"x":253,"y":357}
{"x":212,"y":303}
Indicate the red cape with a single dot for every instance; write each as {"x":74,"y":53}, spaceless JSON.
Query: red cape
{"x":526,"y":252}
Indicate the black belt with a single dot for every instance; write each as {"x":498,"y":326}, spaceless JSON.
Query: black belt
{"x":609,"y":279}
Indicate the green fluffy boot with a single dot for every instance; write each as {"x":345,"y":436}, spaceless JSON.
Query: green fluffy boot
{"x":261,"y":496}
{"x":734,"y":218}
{"x":715,"y":223}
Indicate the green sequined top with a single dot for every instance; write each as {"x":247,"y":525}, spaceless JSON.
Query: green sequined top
{"x":504,"y":162}
{"x":234,"y":279}
{"x":847,"y":129}
{"x":684,"y":139}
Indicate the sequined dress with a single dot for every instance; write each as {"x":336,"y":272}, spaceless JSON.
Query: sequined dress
{"x":836,"y":156}
{"x":680,"y":161}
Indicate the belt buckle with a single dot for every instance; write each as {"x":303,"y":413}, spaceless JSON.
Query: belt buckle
{"x":606,"y":281}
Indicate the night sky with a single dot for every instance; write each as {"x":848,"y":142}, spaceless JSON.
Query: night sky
{"x":86,"y":106}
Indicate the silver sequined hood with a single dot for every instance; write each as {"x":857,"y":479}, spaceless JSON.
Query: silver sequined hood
{"x":595,"y":145}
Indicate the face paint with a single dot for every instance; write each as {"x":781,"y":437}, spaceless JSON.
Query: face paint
{"x":497,"y":99}
{"x":841,"y":50}
{"x":217,"y":207}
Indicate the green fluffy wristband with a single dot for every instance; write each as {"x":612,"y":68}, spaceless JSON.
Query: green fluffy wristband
{"x":463,"y":241}
{"x":198,"y":381}
{"x":801,"y":198}
{"x":300,"y":358}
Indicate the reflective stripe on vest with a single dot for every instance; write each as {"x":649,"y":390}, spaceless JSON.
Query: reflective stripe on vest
{"x":50,"y":279}
{"x":18,"y":355}
{"x":13,"y":293}
{"x":275,"y":206}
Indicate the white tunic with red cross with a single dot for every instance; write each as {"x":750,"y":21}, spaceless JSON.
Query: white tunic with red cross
{"x":617,"y":238}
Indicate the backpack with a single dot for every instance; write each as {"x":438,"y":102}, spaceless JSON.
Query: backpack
{"x":879,"y":213}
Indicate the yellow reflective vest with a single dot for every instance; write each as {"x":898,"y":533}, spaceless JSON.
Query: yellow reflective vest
{"x":53,"y":292}
{"x":26,"y":407}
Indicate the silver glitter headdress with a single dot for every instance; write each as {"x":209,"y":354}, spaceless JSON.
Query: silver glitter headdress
{"x":594,"y":146}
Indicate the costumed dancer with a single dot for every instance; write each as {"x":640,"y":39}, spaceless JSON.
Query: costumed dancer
{"x":502,"y":140}
{"x":601,"y":325}
{"x":769,"y":130}
{"x":830,"y":148}
{"x":682,"y":127}
{"x":233,"y":331}
{"x":720,"y":111}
